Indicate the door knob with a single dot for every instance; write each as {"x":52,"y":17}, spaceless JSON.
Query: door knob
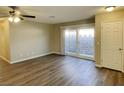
{"x":120,"y":49}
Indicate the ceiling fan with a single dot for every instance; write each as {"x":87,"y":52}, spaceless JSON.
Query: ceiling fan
{"x":15,"y":15}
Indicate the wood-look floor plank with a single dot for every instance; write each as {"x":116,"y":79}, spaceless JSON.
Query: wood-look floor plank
{"x":56,"y":70}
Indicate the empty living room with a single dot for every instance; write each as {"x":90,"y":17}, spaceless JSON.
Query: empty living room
{"x":61,"y":46}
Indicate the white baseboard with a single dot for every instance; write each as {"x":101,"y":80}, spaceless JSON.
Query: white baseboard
{"x":21,"y":60}
{"x":122,"y":70}
{"x":97,"y":65}
{"x":56,"y":53}
{"x":4,"y":59}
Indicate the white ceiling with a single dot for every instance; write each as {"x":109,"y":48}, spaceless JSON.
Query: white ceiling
{"x":61,"y":13}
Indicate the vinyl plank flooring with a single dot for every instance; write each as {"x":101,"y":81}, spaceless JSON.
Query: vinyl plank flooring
{"x":57,"y":70}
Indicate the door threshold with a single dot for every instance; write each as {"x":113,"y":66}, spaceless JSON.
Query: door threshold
{"x":82,"y":58}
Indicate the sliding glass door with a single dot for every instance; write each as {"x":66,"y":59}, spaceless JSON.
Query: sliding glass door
{"x":70,"y":41}
{"x":79,"y":42}
{"x":86,"y":42}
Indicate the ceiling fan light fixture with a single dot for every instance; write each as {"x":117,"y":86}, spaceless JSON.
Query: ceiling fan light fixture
{"x":15,"y":15}
{"x":110,"y":8}
{"x":10,"y":19}
{"x":16,"y":19}
{"x":18,"y":13}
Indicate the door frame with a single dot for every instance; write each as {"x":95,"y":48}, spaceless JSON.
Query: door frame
{"x":62,"y":28}
{"x":101,"y":57}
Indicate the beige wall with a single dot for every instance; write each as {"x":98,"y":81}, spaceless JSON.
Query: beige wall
{"x":57,"y":32}
{"x":112,"y":16}
{"x":32,"y":39}
{"x":29,"y":39}
{"x":4,"y":40}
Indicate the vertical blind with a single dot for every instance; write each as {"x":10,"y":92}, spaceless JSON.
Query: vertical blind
{"x":79,"y":39}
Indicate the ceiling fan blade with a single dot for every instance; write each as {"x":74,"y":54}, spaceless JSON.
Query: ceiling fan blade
{"x":29,"y":16}
{"x":3,"y":16}
{"x":13,"y":7}
{"x":21,"y":18}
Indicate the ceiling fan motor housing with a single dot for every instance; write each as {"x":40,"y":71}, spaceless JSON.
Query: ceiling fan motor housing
{"x":12,"y":13}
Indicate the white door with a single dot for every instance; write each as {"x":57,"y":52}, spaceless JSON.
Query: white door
{"x":111,"y":45}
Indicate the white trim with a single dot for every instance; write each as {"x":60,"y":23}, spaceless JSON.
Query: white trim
{"x":101,"y":45}
{"x":62,"y":37}
{"x":24,"y":59}
{"x":80,"y":56}
{"x":98,"y":65}
{"x":78,"y":26}
{"x":122,"y":71}
{"x":122,"y":46}
{"x":3,"y":58}
{"x":56,"y":53}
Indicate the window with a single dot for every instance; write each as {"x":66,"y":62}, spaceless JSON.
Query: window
{"x":79,"y":41}
{"x":86,"y":41}
{"x":70,"y":40}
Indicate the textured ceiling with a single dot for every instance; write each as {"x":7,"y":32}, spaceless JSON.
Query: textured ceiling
{"x":61,"y":13}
